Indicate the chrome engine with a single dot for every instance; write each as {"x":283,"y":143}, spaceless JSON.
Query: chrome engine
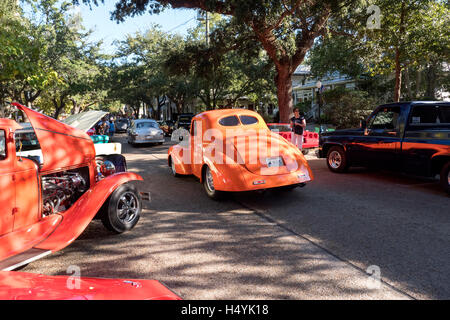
{"x":61,"y":190}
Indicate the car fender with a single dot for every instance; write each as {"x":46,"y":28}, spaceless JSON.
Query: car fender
{"x":438,"y":160}
{"x":179,"y":155}
{"x":226,"y":176}
{"x":77,"y":218}
{"x":326,"y":145}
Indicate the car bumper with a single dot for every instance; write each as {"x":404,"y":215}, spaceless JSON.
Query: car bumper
{"x":258,"y":182}
{"x":156,"y":139}
{"x":249,"y":181}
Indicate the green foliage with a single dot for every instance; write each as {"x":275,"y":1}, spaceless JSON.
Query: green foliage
{"x":46,"y":57}
{"x":285,"y":29}
{"x":304,"y":106}
{"x":346,"y":108}
{"x":413,"y":37}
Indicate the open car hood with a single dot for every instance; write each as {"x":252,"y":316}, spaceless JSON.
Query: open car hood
{"x":85,"y":120}
{"x":29,"y":286}
{"x":62,"y":146}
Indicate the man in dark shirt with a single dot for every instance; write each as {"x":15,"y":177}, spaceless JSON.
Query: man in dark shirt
{"x":298,"y":124}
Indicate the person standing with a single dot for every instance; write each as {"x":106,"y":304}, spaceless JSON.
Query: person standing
{"x":112,"y":128}
{"x":298,"y":125}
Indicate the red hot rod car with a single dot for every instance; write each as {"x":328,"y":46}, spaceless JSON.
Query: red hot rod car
{"x":47,"y":203}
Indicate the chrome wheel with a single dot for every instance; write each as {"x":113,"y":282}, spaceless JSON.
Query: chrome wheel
{"x":335,"y":159}
{"x":209,"y":180}
{"x":127,"y":207}
{"x":172,"y":165}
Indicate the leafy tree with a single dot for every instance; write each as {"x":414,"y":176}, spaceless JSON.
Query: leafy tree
{"x":413,"y":35}
{"x":19,"y":54}
{"x":139,"y":78}
{"x":68,"y":52}
{"x":346,"y":108}
{"x":285,"y":29}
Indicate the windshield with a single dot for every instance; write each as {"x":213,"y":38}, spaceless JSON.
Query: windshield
{"x":185,"y":119}
{"x":26,"y":140}
{"x":146,"y":125}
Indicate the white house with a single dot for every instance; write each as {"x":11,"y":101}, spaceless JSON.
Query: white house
{"x":304,"y":84}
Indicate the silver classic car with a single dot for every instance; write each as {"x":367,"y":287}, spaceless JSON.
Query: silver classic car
{"x":145,"y":131}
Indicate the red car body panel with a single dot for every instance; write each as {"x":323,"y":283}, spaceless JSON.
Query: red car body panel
{"x":28,"y":286}
{"x":26,"y":233}
{"x":77,"y":218}
{"x":26,"y":238}
{"x":23,"y":226}
{"x":55,"y":137}
{"x":310,"y":139}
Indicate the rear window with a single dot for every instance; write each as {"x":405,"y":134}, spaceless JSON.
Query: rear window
{"x":430,"y":115}
{"x":229,"y":121}
{"x":146,"y":125}
{"x":248,"y":120}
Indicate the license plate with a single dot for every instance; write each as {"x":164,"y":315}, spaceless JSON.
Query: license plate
{"x":274,"y":162}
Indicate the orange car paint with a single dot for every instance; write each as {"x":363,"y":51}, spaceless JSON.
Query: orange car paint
{"x":22,"y":225}
{"x":237,"y":172}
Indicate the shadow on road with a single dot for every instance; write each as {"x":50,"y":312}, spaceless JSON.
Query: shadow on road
{"x":222,"y":250}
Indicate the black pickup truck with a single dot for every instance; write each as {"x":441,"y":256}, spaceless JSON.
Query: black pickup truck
{"x":411,"y":137}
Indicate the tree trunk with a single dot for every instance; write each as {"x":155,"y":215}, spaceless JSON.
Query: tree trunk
{"x":408,"y":85}
{"x":75,"y":108}
{"x":58,"y":108}
{"x":418,"y":82}
{"x":398,"y":66}
{"x":431,"y":81}
{"x":283,"y":81}
{"x":398,"y":76}
{"x":179,"y":107}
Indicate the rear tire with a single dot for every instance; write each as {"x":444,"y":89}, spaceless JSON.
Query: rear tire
{"x":122,"y":210}
{"x":172,"y":168}
{"x":305,"y":151}
{"x":337,"y":160}
{"x":445,"y":177}
{"x":208,"y":184}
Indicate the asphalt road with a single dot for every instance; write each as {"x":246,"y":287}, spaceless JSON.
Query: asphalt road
{"x":319,"y":242}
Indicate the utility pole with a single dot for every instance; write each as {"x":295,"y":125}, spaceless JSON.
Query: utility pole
{"x":204,"y":16}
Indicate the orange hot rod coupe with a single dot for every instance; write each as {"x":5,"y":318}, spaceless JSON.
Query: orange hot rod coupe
{"x":47,"y":203}
{"x":234,"y":150}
